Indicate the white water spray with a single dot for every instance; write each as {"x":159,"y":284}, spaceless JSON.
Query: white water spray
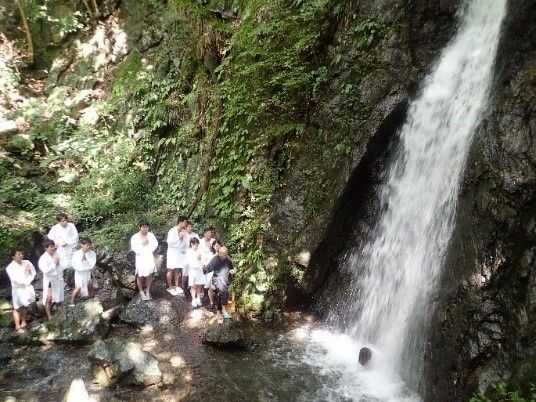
{"x":403,"y":259}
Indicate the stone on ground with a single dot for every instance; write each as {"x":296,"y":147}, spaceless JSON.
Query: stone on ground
{"x":156,"y":312}
{"x":229,"y":335}
{"x":116,"y":360}
{"x":82,"y":324}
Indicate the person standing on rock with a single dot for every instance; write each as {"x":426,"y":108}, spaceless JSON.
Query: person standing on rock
{"x":21,"y":274}
{"x":144,"y":245}
{"x":84,"y":260}
{"x":178,"y":242}
{"x":207,"y":253}
{"x":65,"y":236}
{"x":49,"y":265}
{"x":196,"y":277}
{"x":222,"y":267}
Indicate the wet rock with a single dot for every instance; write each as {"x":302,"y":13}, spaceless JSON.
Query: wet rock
{"x":6,"y":353}
{"x":229,"y":335}
{"x":81,"y":324}
{"x":115,"y":360}
{"x":157,"y":312}
{"x":120,"y":267}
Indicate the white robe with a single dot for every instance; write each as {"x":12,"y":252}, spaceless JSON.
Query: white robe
{"x":145,"y":263}
{"x":66,"y":239}
{"x":83,"y":263}
{"x":53,"y":276}
{"x":207,"y":254}
{"x":194,"y":267}
{"x":177,"y":247}
{"x":22,"y":291}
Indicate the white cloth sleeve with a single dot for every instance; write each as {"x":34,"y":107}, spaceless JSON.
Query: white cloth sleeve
{"x":153,"y":243}
{"x":71,"y":235}
{"x":46,"y":264}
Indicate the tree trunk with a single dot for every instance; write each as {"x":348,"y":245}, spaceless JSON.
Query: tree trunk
{"x":26,"y":30}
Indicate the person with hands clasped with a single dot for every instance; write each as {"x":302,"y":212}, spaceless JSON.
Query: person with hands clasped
{"x":84,"y":261}
{"x":144,"y":244}
{"x":49,"y":265}
{"x":21,"y":274}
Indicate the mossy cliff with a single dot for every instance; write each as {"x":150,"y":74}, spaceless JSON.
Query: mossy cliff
{"x":272,"y":120}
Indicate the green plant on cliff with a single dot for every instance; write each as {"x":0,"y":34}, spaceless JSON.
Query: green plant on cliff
{"x":505,"y":393}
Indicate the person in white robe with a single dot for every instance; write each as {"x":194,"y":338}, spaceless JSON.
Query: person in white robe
{"x":84,"y":260}
{"x":65,"y":235}
{"x":190,"y":230}
{"x":196,"y":277}
{"x":207,"y":251}
{"x":21,"y":274}
{"x":144,"y":244}
{"x":178,"y":242}
{"x":49,"y":265}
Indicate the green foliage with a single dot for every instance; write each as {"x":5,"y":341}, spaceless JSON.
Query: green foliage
{"x":504,"y":393}
{"x":368,"y":32}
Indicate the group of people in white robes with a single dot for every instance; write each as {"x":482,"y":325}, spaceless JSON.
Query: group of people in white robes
{"x":187,"y":259}
{"x":195,"y":265}
{"x":59,"y":255}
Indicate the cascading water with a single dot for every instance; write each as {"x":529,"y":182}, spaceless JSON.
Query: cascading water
{"x":398,"y":268}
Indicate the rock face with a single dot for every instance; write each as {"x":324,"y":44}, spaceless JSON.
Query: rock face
{"x":156,"y":312}
{"x":228,"y":335}
{"x":115,"y":360}
{"x":483,"y":329}
{"x":337,"y":166}
{"x":81,"y":324}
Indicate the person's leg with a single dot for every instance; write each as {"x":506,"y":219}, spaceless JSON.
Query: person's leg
{"x":169,"y":278}
{"x":199,"y":295}
{"x":148,"y":282}
{"x":224,"y":299}
{"x":16,"y":319}
{"x":177,"y":278}
{"x":217,"y":301}
{"x":48,"y":307}
{"x":211,"y":296}
{"x":139,"y":281}
{"x":23,"y":317}
{"x":184,"y":285}
{"x":75,"y":293}
{"x":193,"y":291}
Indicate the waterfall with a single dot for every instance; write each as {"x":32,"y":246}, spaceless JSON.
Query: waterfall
{"x":398,"y":268}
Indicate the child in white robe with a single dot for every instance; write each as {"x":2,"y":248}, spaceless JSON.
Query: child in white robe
{"x":196,"y":277}
{"x":84,"y":261}
{"x":207,"y":252}
{"x":177,"y":241}
{"x":21,"y":274}
{"x":49,"y":265}
{"x":144,"y":244}
{"x":65,"y":235}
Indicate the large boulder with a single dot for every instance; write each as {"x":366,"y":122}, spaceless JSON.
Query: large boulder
{"x":156,"y":312}
{"x":81,"y":324}
{"x":116,"y":360}
{"x":229,"y":335}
